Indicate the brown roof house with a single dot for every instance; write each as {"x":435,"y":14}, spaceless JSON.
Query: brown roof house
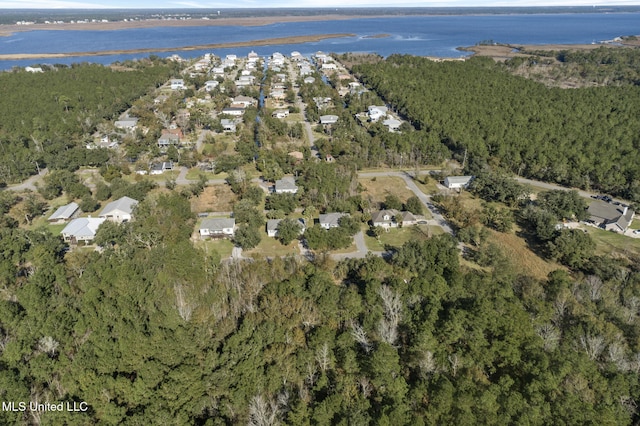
{"x":610,"y":216}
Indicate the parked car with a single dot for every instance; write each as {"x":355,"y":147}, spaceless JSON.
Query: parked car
{"x":637,"y":231}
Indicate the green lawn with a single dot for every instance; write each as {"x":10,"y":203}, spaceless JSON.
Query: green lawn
{"x":635,"y":224}
{"x":396,"y":237}
{"x":223,"y":247}
{"x":194,"y":173}
{"x":271,"y":247}
{"x":608,"y":242}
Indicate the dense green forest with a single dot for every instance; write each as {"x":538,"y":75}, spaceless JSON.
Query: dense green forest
{"x":156,"y":331}
{"x":47,"y":118}
{"x":587,"y":137}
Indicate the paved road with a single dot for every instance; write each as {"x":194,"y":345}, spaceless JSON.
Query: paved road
{"x":551,"y":186}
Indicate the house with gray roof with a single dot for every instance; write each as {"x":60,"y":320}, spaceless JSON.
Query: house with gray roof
{"x":128,"y":123}
{"x":64,"y":213}
{"x":120,"y":210}
{"x":330,"y":220}
{"x":168,"y":139}
{"x":272,"y":226}
{"x":286,"y":185}
{"x":387,"y":218}
{"x":81,"y":229}
{"x":609,"y":216}
{"x":328,"y":119}
{"x":220,"y":227}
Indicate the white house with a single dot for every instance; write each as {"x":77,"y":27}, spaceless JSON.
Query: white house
{"x":392,"y":124}
{"x":229,"y":125}
{"x":128,"y":123}
{"x":120,"y":210}
{"x":280,"y":113}
{"x":64,"y":213}
{"x":236,"y":112}
{"x":81,"y":229}
{"x":286,"y":185}
{"x":244,"y":100}
{"x":209,"y":85}
{"x":168,"y":139}
{"x":177,"y":84}
{"x":457,"y":182}
{"x":376,"y":112}
{"x":328,"y":119}
{"x":218,"y":227}
{"x":387,"y":218}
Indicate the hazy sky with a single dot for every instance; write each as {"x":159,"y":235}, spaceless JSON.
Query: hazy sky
{"x":155,"y":4}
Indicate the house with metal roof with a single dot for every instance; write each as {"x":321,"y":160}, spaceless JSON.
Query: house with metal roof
{"x":457,"y":182}
{"x":81,"y":229}
{"x":64,"y":213}
{"x":120,"y":210}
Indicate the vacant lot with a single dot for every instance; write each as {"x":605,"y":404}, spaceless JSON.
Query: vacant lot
{"x":396,"y":237}
{"x":217,"y":198}
{"x":376,"y":189}
{"x":524,"y":260}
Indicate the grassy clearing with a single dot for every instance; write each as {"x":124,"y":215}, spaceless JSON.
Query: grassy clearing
{"x":223,"y":247}
{"x":427,"y":185}
{"x":396,"y":237}
{"x":521,"y":257}
{"x":217,"y":198}
{"x":635,"y":224}
{"x":194,"y":174}
{"x":272,"y":247}
{"x":612,"y":243}
{"x":376,"y":189}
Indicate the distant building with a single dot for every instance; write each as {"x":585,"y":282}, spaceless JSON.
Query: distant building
{"x":177,"y":84}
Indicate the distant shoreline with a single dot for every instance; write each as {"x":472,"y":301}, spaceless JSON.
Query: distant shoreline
{"x":264,"y":42}
{"x":7,"y":30}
